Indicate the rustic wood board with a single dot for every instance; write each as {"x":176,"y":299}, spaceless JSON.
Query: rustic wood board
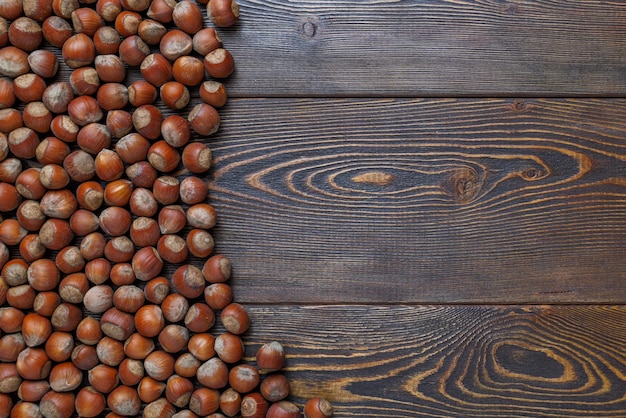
{"x":429,"y":48}
{"x":429,"y":201}
{"x":452,"y":361}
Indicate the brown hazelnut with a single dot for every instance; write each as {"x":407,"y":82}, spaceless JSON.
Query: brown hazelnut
{"x":109,"y":9}
{"x":175,"y":43}
{"x":213,"y":93}
{"x":244,"y":378}
{"x":65,"y":377}
{"x":217,"y":269}
{"x":157,"y":289}
{"x":204,"y":119}
{"x":124,"y":400}
{"x":275,"y":387}
{"x":229,"y":347}
{"x":111,"y":69}
{"x":86,"y":20}
{"x":78,"y":51}
{"x":84,"y":81}
{"x":213,"y":373}
{"x":89,"y":402}
{"x":206,"y":40}
{"x":57,"y":404}
{"x":80,"y":166}
{"x":64,"y":8}
{"x":64,"y":128}
{"x":140,"y":93}
{"x":119,"y":123}
{"x":43,"y":63}
{"x":187,"y":17}
{"x":253,"y":405}
{"x":161,"y":10}
{"x":318,"y":408}
{"x":223,"y":13}
{"x":127,"y":23}
{"x":163,"y":157}
{"x":25,"y":33}
{"x":149,"y":320}
{"x":13,"y":62}
{"x":56,"y":30}
{"x":84,"y":110}
{"x":133,"y":50}
{"x":147,"y":121}
{"x":151,"y":31}
{"x":93,"y":138}
{"x":107,"y":40}
{"x":283,"y":409}
{"x":219,"y":63}
{"x":235,"y":318}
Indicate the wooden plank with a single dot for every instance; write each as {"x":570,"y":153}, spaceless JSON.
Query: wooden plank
{"x":452,"y":361}
{"x":429,"y":48}
{"x":494,"y":201}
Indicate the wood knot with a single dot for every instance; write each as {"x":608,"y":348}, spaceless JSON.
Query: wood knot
{"x":374,"y":177}
{"x":308,"y":28}
{"x":532,"y":362}
{"x":464,"y":185}
{"x":519,"y":106}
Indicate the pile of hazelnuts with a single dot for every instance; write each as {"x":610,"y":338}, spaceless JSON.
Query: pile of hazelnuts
{"x":104,"y":218}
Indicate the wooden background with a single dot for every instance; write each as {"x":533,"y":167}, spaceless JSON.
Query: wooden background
{"x":424,"y":201}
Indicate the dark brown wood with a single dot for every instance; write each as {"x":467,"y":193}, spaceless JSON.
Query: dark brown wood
{"x":452,"y":361}
{"x":442,"y":201}
{"x":428,"y":48}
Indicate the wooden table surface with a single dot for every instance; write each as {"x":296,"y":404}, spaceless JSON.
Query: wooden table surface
{"x":425,"y":202}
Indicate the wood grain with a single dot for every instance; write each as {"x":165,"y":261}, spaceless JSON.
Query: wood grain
{"x":418,"y":201}
{"x":452,"y":361}
{"x":420,"y":48}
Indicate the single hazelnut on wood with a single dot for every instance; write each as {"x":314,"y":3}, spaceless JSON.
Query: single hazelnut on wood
{"x":223,"y":13}
{"x":318,"y":407}
{"x":270,"y":357}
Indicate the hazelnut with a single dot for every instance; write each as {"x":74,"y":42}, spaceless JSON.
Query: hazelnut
{"x":204,"y":401}
{"x":86,"y":20}
{"x":283,"y":409}
{"x":43,"y":63}
{"x":206,"y":40}
{"x":318,"y":408}
{"x":56,"y":30}
{"x":253,"y":405}
{"x":219,"y":63}
{"x":223,"y":13}
{"x":244,"y":378}
{"x":78,"y":51}
{"x":275,"y":387}
{"x":204,"y":119}
{"x":25,"y":34}
{"x":13,"y":62}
